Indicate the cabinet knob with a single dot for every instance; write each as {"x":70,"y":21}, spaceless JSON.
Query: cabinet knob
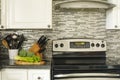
{"x":39,"y":78}
{"x":48,"y":26}
{"x":2,"y":26}
{"x":116,"y":26}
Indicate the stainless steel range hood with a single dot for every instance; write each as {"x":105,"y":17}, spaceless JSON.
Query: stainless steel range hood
{"x":76,"y":4}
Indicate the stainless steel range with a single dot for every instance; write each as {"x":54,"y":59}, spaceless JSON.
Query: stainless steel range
{"x":81,"y":59}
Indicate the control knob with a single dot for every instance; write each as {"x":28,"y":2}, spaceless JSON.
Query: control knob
{"x":102,"y":45}
{"x":61,"y":45}
{"x":92,"y":44}
{"x":97,"y":45}
{"x":56,"y":45}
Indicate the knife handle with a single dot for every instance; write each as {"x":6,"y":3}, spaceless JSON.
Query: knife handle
{"x":40,"y":39}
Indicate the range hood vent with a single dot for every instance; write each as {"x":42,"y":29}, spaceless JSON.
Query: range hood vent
{"x":76,"y":4}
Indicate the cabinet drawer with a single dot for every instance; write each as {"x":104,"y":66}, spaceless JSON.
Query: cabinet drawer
{"x":14,"y":74}
{"x":37,"y":74}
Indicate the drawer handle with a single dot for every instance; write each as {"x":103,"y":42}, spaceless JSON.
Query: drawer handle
{"x":48,"y":26}
{"x":2,"y":27}
{"x":39,"y":78}
{"x":116,"y":26}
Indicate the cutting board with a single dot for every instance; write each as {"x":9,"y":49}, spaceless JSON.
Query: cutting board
{"x":29,"y":63}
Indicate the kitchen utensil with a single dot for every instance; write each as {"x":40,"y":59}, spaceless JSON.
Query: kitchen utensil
{"x":44,"y":43}
{"x":8,"y":39}
{"x":21,"y":40}
{"x":12,"y":53}
{"x":29,"y":63}
{"x":42,"y":40}
{"x":4,"y":42}
{"x":36,"y":47}
{"x":13,"y":41}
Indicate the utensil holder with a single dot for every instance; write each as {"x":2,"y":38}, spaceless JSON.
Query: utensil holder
{"x":12,"y":53}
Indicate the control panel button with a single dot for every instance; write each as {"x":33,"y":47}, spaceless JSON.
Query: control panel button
{"x":102,"y":45}
{"x":56,"y":45}
{"x":97,"y":45}
{"x":61,"y":45}
{"x":92,"y":44}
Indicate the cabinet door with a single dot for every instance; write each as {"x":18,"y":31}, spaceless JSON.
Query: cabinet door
{"x":118,"y":16}
{"x":41,"y":74}
{"x":0,"y":76}
{"x":113,"y":16}
{"x":14,"y":74}
{"x":23,"y":14}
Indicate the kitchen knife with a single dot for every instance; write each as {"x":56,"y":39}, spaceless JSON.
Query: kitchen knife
{"x":38,"y":46}
{"x":44,"y":43}
{"x":40,"y":39}
{"x":35,"y":47}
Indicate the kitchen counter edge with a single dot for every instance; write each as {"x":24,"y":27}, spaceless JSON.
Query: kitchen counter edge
{"x":11,"y":64}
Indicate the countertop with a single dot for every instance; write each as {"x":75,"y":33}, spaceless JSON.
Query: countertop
{"x":11,"y":64}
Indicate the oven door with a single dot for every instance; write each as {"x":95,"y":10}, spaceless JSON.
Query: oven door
{"x":96,"y":72}
{"x":87,"y":76}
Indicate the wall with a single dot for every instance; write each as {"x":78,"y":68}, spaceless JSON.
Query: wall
{"x":113,"y":46}
{"x":78,"y":23}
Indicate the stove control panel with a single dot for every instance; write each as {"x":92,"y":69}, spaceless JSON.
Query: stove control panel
{"x":77,"y":45}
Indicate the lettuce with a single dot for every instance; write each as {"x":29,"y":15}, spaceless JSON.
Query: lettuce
{"x":28,"y":59}
{"x":25,"y":53}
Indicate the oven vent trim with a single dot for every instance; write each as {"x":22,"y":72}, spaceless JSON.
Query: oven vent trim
{"x":84,"y":4}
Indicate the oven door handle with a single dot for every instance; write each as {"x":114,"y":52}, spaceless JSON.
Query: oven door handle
{"x":111,"y":75}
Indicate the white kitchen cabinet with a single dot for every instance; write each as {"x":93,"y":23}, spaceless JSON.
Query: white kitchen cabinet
{"x":25,"y":74}
{"x":26,"y":14}
{"x":0,"y":76}
{"x":14,"y":74}
{"x":113,"y":16}
{"x":39,"y":74}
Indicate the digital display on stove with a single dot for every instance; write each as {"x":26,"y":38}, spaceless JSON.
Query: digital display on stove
{"x":80,"y":44}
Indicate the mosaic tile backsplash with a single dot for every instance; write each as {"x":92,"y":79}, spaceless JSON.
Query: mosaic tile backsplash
{"x":74,"y":23}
